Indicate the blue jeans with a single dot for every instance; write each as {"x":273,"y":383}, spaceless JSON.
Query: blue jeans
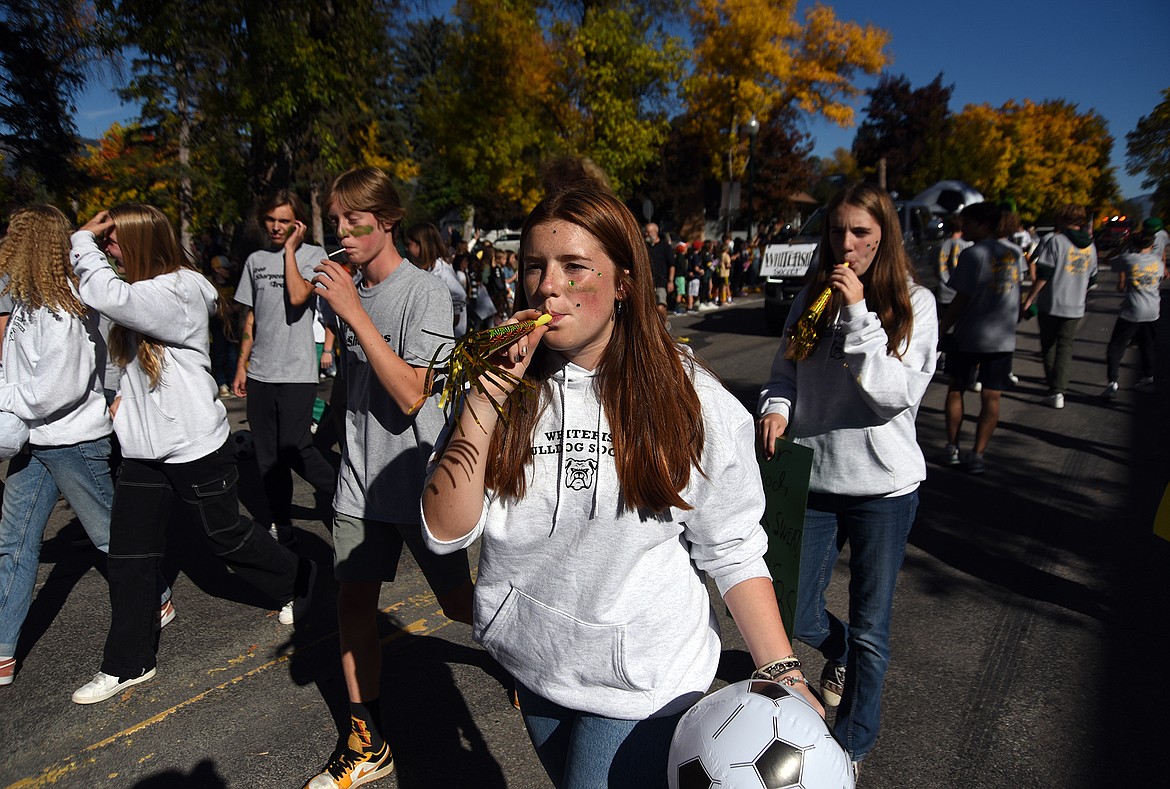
{"x":82,"y":473}
{"x":876,"y":530}
{"x":580,"y":750}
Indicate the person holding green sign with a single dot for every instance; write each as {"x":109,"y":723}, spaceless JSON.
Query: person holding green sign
{"x":853,"y":398}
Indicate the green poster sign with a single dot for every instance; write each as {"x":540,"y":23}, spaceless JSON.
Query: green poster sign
{"x":785,"y":478}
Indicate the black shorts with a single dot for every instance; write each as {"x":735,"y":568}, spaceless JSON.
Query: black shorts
{"x":990,"y":369}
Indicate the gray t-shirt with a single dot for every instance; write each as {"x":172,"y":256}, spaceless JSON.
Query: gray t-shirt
{"x":1161,"y":240}
{"x":283,"y":350}
{"x":1143,"y":277}
{"x":1072,"y":267}
{"x":948,"y":258}
{"x":989,"y":273}
{"x":386,"y":451}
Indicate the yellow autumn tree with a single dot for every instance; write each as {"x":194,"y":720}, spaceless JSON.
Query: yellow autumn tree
{"x":1042,"y":155}
{"x":754,"y":57}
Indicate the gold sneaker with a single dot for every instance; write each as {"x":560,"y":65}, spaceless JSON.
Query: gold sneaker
{"x":355,"y":764}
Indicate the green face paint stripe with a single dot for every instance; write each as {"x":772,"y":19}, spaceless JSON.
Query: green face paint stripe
{"x":356,"y":231}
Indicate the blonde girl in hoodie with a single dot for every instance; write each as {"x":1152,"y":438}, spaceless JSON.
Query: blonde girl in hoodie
{"x":854,"y":399}
{"x":173,"y":431}
{"x":614,"y":486}
{"x":49,"y":381}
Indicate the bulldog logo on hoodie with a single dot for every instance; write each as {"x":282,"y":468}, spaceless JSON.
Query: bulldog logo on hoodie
{"x":579,"y":473}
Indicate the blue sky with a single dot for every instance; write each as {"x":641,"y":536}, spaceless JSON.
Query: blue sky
{"x":1110,"y":57}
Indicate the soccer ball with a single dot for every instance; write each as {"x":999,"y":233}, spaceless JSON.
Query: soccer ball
{"x":241,"y":444}
{"x":756,"y":734}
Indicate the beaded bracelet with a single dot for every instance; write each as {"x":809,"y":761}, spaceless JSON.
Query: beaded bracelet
{"x":774,"y":669}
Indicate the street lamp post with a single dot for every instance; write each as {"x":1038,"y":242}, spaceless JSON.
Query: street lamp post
{"x":753,"y":128}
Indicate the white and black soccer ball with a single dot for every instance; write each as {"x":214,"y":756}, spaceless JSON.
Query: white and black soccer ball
{"x":756,"y":734}
{"x":241,"y":444}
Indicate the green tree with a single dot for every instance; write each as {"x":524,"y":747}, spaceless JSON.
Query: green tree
{"x":491,"y":117}
{"x":45,"y":51}
{"x":617,"y":72}
{"x":181,"y":49}
{"x":908,"y":128}
{"x":311,"y":90}
{"x":1147,"y":153}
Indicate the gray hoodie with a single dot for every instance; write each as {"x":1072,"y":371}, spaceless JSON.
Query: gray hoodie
{"x":182,"y":419}
{"x":854,"y":403}
{"x":604,"y":610}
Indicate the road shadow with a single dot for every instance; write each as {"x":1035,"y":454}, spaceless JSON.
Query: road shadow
{"x":71,"y":560}
{"x":204,"y":776}
{"x":741,"y":317}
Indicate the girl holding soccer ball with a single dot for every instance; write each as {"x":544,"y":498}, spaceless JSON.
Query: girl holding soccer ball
{"x":619,"y":477}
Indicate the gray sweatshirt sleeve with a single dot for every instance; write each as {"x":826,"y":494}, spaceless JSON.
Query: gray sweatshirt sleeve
{"x":150,"y":307}
{"x":724,"y":532}
{"x":890,"y":385}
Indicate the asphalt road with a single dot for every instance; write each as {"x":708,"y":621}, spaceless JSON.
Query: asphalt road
{"x":1025,"y":640}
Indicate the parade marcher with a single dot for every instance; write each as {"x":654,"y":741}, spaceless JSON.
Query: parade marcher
{"x":393,"y":323}
{"x":984,"y":314}
{"x":1066,"y":267}
{"x":948,"y":259}
{"x":225,"y":348}
{"x":424,"y":245}
{"x":278,"y":367}
{"x":173,"y":430}
{"x":1140,"y":274}
{"x":612,"y":488}
{"x":51,"y":381}
{"x":853,"y":400}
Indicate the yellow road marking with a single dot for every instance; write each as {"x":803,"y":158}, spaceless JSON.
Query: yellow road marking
{"x":50,"y":775}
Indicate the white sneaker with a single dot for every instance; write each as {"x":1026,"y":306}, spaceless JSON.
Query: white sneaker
{"x":1110,"y":392}
{"x":1055,"y":400}
{"x":294,"y":610}
{"x":103,"y":686}
{"x":1015,"y":379}
{"x":224,"y":392}
{"x":7,"y":670}
{"x":951,"y":455}
{"x":977,"y":386}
